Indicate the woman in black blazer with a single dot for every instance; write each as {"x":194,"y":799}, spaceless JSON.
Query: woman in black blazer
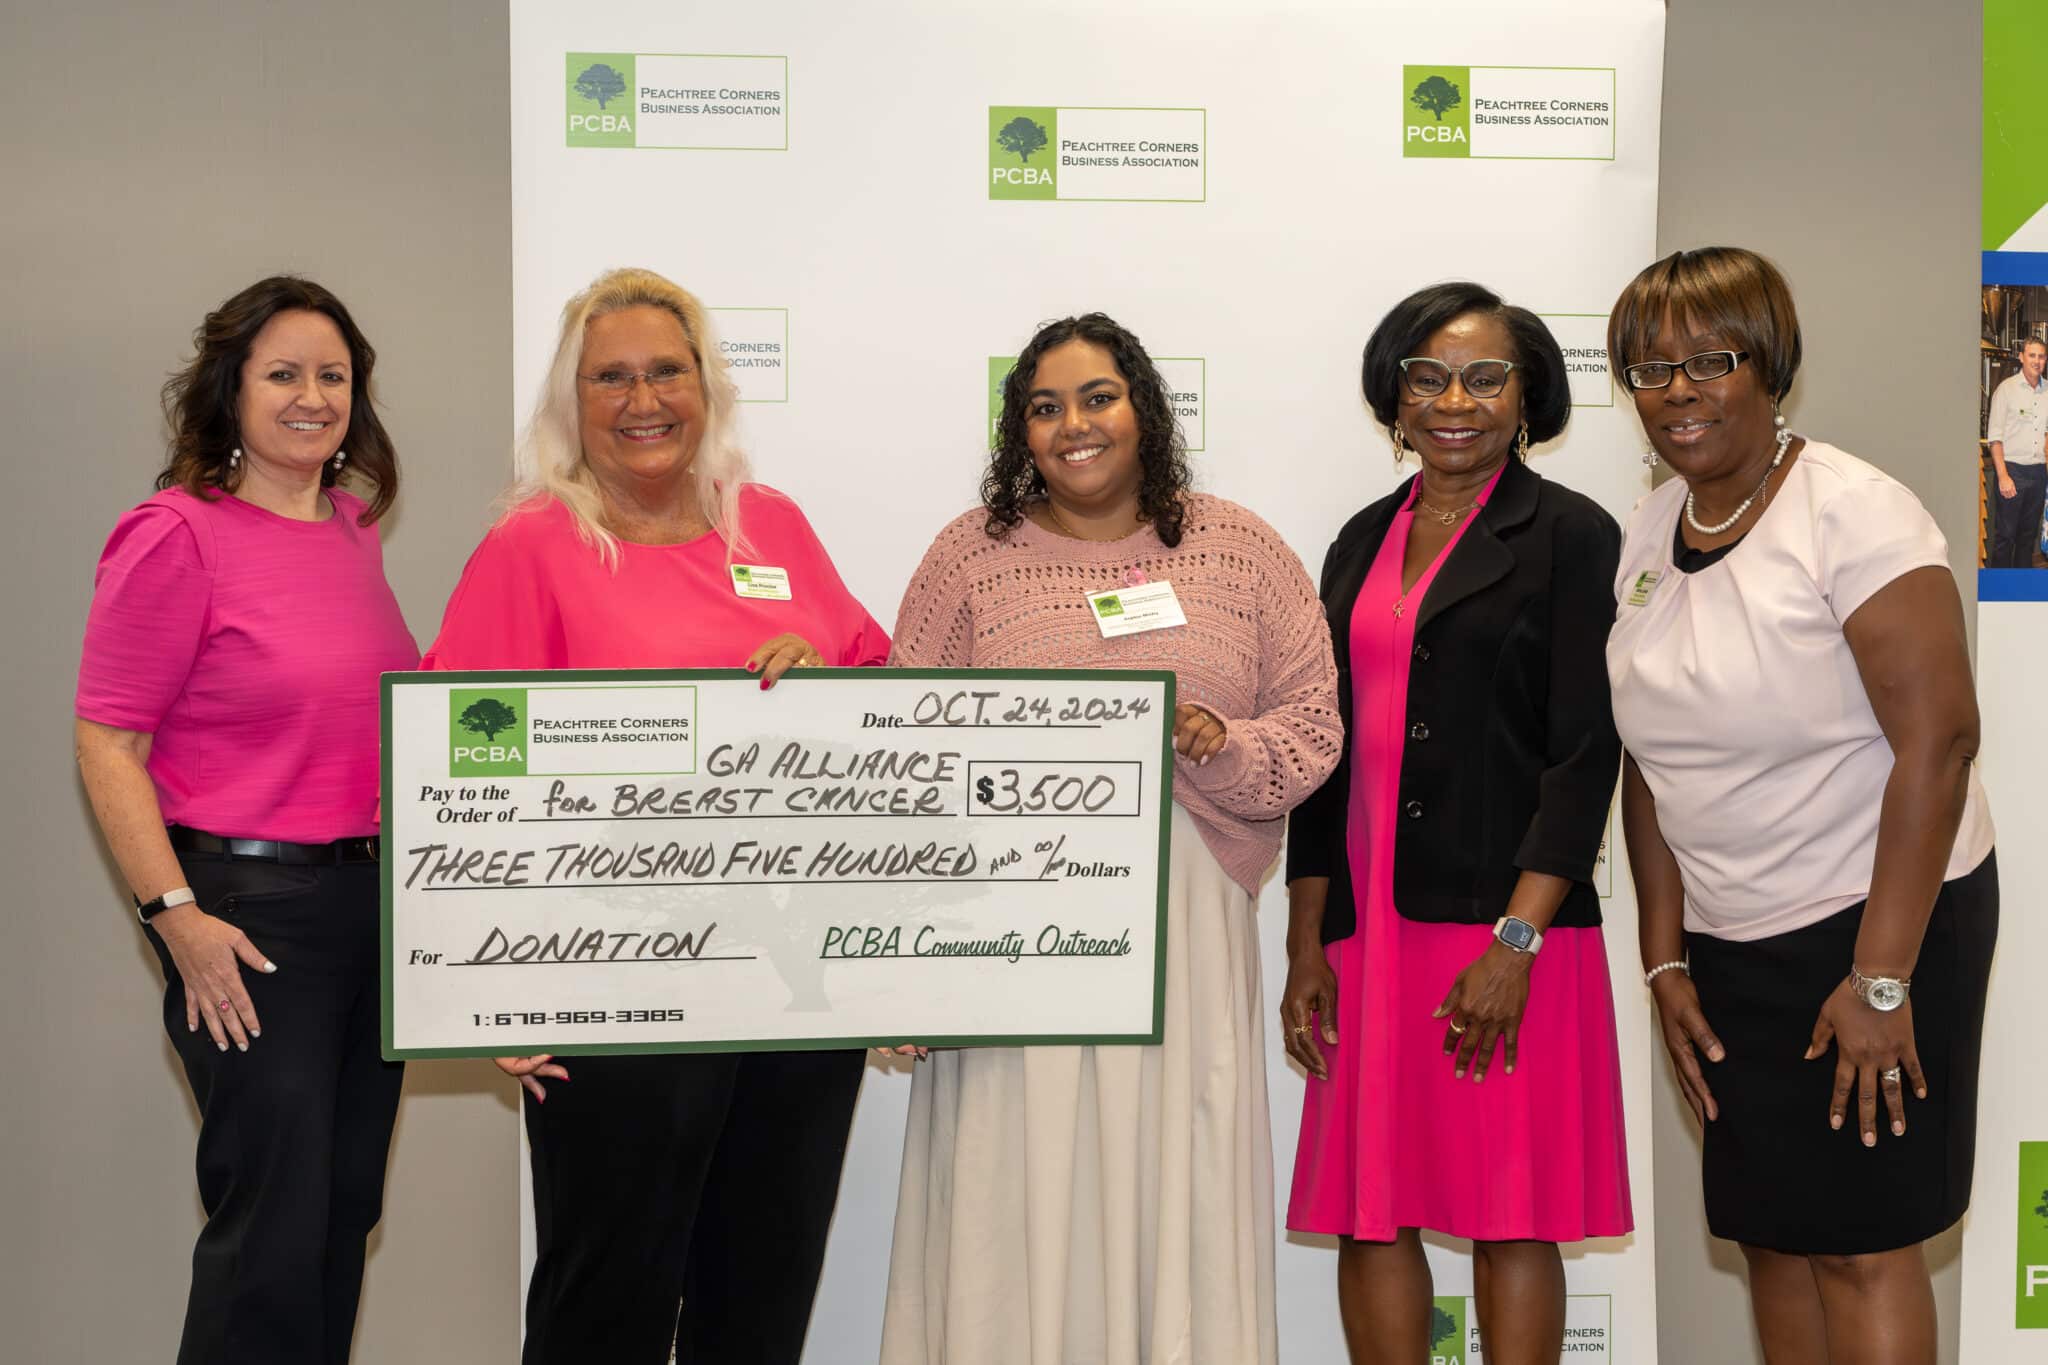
{"x":1443,"y":915}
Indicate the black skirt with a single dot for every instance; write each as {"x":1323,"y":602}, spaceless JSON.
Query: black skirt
{"x":1775,"y":1175}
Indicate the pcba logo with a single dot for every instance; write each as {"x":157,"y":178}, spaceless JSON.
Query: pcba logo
{"x":1021,"y":152}
{"x":487,"y":732}
{"x":1435,"y":117}
{"x":1447,"y":1330}
{"x":599,"y":103}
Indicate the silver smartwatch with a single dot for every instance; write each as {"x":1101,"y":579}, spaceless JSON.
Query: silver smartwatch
{"x":1883,"y":993}
{"x":1518,"y":934}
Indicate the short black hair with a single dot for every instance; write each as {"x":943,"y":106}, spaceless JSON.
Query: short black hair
{"x":1546,"y":390}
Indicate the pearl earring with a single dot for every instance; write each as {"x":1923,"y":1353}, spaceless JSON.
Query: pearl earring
{"x":340,"y":458}
{"x":235,"y":457}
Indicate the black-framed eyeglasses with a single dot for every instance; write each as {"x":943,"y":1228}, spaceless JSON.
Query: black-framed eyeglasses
{"x":662,"y":379}
{"x":1656,"y":374}
{"x":1426,"y":378}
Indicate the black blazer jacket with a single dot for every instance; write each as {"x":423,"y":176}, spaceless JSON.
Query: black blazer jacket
{"x":1510,"y":753}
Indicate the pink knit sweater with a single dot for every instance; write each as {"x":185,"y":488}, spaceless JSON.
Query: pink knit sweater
{"x":1255,"y":649}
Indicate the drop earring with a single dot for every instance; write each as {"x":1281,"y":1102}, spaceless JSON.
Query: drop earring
{"x":1650,"y":456}
{"x":1400,"y":447}
{"x":340,"y":458}
{"x":1522,"y":444}
{"x":234,"y":459}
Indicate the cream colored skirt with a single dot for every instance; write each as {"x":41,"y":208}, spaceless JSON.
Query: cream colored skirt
{"x":1101,"y":1205}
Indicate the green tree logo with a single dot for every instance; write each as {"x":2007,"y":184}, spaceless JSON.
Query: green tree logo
{"x":1442,"y":1327}
{"x":601,"y":84}
{"x":487,"y":717}
{"x":1023,"y":137}
{"x":1437,"y":95}
{"x":2042,"y":1207}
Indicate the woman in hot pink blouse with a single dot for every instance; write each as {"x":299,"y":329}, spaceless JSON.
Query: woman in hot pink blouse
{"x":1115,"y":1204}
{"x":705,"y":1179}
{"x":227,"y":734}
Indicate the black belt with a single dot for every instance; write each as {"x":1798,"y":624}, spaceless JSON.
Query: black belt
{"x":362,"y":849}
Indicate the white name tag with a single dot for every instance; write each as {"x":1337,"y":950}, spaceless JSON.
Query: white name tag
{"x":1135,"y":610}
{"x":1640,"y":591}
{"x":761,"y":580}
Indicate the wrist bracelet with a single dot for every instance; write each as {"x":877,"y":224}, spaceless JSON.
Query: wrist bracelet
{"x":150,"y":909}
{"x":1662,"y":967}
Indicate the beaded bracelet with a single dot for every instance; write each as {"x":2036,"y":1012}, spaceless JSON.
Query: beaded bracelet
{"x":1663,"y":967}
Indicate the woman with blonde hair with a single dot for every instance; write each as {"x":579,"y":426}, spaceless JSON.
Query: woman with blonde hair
{"x":702,"y":1179}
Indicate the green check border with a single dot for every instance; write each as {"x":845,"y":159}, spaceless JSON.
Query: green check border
{"x":1163,"y":798}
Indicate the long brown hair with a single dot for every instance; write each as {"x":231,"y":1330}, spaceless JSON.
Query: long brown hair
{"x":201,"y":400}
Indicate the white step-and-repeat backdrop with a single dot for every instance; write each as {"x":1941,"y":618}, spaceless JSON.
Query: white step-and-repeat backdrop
{"x":883,"y":202}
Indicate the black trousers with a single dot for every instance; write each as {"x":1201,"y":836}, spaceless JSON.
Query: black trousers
{"x":293,"y":1133}
{"x":2016,"y":521}
{"x":704,"y":1179}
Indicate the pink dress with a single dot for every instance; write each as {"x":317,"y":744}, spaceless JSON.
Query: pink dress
{"x":1393,"y":1140}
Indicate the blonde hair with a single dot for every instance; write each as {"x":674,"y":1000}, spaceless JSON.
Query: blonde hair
{"x":549,"y":458}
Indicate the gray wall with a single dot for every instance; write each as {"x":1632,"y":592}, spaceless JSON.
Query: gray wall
{"x":157,"y":157}
{"x":1840,"y":139}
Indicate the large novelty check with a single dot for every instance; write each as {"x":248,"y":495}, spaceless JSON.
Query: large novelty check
{"x":679,"y":861}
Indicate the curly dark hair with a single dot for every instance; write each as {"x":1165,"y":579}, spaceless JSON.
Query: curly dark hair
{"x":201,"y":400}
{"x":1012,"y":480}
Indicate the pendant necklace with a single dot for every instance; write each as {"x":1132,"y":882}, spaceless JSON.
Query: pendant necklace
{"x":1692,"y":518}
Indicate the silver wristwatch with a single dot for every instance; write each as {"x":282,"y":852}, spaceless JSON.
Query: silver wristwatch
{"x":1885,"y":993}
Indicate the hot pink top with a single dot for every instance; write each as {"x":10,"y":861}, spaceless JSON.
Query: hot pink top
{"x":248,"y":644}
{"x":1255,"y":649}
{"x":537,"y":595}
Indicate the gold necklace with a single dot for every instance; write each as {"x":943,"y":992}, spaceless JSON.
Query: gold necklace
{"x":1069,"y":531}
{"x":1447,"y":517}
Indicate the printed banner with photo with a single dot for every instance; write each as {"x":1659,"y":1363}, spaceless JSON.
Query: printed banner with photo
{"x":2004,"y":1314}
{"x":882,"y":203}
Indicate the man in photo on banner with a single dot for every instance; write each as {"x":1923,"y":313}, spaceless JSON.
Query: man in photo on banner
{"x":2017,"y":430}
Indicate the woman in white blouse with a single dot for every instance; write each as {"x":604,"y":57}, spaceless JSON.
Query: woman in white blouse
{"x":1811,"y":848}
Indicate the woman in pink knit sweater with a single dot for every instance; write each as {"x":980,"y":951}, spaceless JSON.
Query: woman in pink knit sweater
{"x":1115,"y":1204}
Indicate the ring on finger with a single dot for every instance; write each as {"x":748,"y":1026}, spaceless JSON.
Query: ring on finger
{"x":223,"y":1005}
{"x":1301,"y":1028}
{"x":1892,"y":1074}
{"x":1457,"y":1027}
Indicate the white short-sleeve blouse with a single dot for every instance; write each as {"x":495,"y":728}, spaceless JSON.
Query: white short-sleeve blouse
{"x":1737,"y":696}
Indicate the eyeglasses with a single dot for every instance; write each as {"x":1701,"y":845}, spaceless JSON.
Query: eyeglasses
{"x":662,"y":379}
{"x":1426,"y":378}
{"x":1656,"y":374}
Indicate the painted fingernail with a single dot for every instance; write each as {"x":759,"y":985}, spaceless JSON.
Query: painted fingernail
{"x":241,"y":1047}
{"x":1870,"y":1139}
{"x":1834,"y":1120}
{"x":269,"y":966}
{"x":1898,"y":1128}
{"x":255,"y":1033}
{"x":1459,"y":1073}
{"x":222,"y":1046}
{"x":1511,"y":1068}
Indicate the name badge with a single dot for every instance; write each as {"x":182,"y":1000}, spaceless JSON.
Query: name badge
{"x":1639,"y":592}
{"x":761,"y":580}
{"x":1135,"y":610}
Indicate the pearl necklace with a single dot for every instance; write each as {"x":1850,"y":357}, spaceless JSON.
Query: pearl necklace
{"x":1692,"y":519}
